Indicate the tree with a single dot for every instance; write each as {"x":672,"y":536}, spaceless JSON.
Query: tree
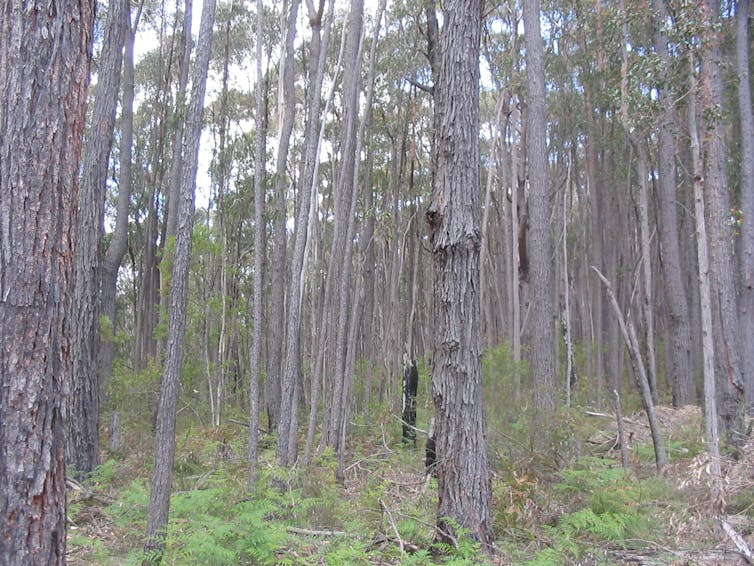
{"x":461,"y":436}
{"x":540,"y":208}
{"x":83,"y":403}
{"x":162,"y":477}
{"x":44,"y":75}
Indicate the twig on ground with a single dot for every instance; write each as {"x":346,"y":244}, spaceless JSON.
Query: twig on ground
{"x":738,"y":540}
{"x":393,"y":525}
{"x":319,"y":533}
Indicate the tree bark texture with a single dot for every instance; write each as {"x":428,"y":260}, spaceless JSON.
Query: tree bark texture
{"x":82,"y":407}
{"x":45,"y":53}
{"x":540,"y":208}
{"x":162,"y":477}
{"x":461,"y":442}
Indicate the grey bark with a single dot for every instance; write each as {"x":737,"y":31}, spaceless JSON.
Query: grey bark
{"x":717,"y":208}
{"x":287,"y":445}
{"x":540,"y":209}
{"x":162,"y":477}
{"x":461,"y":435}
{"x":705,"y":300}
{"x":44,"y":75}
{"x":83,"y":401}
{"x":680,"y":370}
{"x":286,"y":117}
{"x":260,"y":148}
{"x":746,"y":297}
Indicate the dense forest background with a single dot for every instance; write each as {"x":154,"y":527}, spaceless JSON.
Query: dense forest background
{"x":259,"y":271}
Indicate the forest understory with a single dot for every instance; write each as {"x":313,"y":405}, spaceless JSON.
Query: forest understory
{"x":568,"y":502}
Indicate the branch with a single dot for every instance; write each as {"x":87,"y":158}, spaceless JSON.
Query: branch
{"x":425,"y":88}
{"x":738,"y":540}
{"x":318,"y":533}
{"x":392,"y":524}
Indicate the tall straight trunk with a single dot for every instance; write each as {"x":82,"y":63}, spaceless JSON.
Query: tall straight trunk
{"x":540,"y":208}
{"x":717,"y":206}
{"x":119,"y":238}
{"x":680,"y":371}
{"x":162,"y":476}
{"x":83,"y":402}
{"x":44,"y":75}
{"x":746,"y":297}
{"x":286,"y":117}
{"x":705,"y":296}
{"x":287,"y":445}
{"x":260,"y":149}
{"x":342,"y":247}
{"x":460,"y":424}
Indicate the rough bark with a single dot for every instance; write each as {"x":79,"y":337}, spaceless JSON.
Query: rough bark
{"x":540,"y":208}
{"x":83,"y":402}
{"x":44,"y":76}
{"x":162,"y":477}
{"x":461,"y":444}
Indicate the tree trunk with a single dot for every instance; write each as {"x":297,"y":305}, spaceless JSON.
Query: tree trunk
{"x":44,"y":76}
{"x":718,"y":205}
{"x":287,"y":445}
{"x":461,"y":445}
{"x":83,"y":402}
{"x":705,"y":295}
{"x":260,"y":157}
{"x":162,"y":477}
{"x":540,"y":207}
{"x":680,"y":371}
{"x":746,"y":297}
{"x":286,"y":116}
{"x":119,"y":238}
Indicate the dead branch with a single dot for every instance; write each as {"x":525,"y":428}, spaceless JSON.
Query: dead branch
{"x":738,"y":540}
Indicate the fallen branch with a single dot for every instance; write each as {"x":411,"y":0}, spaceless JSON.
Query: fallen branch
{"x":393,"y":525}
{"x":319,"y":533}
{"x":738,"y":540}
{"x":410,"y":425}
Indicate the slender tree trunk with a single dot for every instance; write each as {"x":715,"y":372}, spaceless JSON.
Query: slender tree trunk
{"x":680,"y":371}
{"x":746,"y":297}
{"x":162,"y":477}
{"x":287,"y":445}
{"x":260,"y":157}
{"x":44,"y":76}
{"x":83,"y":402}
{"x":286,"y":116}
{"x":540,"y":208}
{"x":705,"y":295}
{"x":461,"y":435}
{"x":717,"y":205}
{"x":119,"y":237}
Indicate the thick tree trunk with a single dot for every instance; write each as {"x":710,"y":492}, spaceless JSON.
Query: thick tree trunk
{"x":461,"y":445}
{"x":44,"y":76}
{"x":82,"y":405}
{"x":162,"y":477}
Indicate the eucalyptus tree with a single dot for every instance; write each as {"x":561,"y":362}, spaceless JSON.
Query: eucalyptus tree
{"x":544,"y":365}
{"x":717,"y":208}
{"x":746,"y":297}
{"x":45,"y":52}
{"x":83,"y":402}
{"x":162,"y":477}
{"x":461,"y":437}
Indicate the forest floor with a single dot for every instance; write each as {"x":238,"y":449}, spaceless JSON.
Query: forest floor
{"x":574,"y":505}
